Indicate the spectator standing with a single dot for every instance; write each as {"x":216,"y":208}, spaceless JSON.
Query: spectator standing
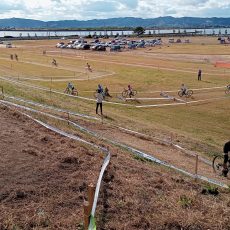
{"x":199,"y":74}
{"x":99,"y":99}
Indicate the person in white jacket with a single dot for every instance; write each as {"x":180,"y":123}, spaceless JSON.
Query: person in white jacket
{"x":99,"y":99}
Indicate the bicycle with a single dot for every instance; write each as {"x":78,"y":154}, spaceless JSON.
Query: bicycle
{"x":217,"y":164}
{"x":188,"y":93}
{"x":54,"y":63}
{"x":126,"y":93}
{"x":227,"y":91}
{"x":73,"y":92}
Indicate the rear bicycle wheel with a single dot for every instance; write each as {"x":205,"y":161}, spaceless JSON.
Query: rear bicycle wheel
{"x":227,"y":91}
{"x":189,"y":93}
{"x":217,"y":164}
{"x":180,"y":93}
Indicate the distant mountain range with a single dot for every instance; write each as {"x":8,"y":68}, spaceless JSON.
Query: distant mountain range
{"x":128,"y":22}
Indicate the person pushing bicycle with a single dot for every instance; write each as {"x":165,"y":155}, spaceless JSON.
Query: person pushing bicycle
{"x":226,"y":151}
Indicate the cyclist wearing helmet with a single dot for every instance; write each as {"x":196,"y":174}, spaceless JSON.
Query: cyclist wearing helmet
{"x":183,"y":89}
{"x":130,"y":91}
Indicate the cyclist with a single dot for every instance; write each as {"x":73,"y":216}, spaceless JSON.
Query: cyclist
{"x":54,"y":62}
{"x":130,"y":91}
{"x":70,"y":88}
{"x":226,"y":150}
{"x":89,"y":67}
{"x":184,"y":89}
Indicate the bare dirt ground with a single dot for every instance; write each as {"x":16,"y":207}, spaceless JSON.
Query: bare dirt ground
{"x":44,"y":179}
{"x":43,"y":176}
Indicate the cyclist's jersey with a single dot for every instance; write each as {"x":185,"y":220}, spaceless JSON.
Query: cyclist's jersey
{"x":184,"y":89}
{"x":70,"y":86}
{"x":227,"y":147}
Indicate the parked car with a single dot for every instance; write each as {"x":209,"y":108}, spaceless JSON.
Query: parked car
{"x":85,"y":47}
{"x":58,"y":45}
{"x":98,"y":48}
{"x":8,"y":45}
{"x":115,"y":48}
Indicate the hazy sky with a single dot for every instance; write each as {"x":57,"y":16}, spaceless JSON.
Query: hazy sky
{"x":94,"y":9}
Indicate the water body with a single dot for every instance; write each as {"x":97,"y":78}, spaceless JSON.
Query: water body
{"x":33,"y":33}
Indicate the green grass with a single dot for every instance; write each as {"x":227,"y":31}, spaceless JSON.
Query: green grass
{"x":205,"y":123}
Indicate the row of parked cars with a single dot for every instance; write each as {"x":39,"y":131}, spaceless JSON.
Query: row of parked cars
{"x":114,"y":45}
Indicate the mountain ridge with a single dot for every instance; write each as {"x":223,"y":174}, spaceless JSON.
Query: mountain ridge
{"x":160,"y":22}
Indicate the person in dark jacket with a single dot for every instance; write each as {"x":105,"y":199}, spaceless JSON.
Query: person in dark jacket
{"x":226,"y":151}
{"x":199,"y":74}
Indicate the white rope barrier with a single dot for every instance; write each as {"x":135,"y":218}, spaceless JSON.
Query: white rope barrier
{"x":131,"y":149}
{"x":113,"y":103}
{"x":95,"y":118}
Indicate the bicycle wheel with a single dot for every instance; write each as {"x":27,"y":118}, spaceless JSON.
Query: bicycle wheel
{"x":67,"y":91}
{"x":75,"y":93}
{"x":227,"y":91}
{"x":180,"y":93}
{"x":189,"y":93}
{"x":134,"y":93}
{"x":217,"y":164}
{"x":124,"y":93}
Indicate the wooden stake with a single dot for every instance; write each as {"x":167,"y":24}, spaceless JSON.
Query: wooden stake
{"x":91,"y":191}
{"x":68,"y":118}
{"x":196,"y":167}
{"x":86,"y":215}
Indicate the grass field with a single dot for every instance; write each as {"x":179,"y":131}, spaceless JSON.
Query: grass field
{"x":202,"y":126}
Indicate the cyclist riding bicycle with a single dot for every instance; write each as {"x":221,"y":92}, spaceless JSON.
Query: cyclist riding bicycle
{"x":130,"y":91}
{"x":226,"y":150}
{"x":54,"y":62}
{"x":70,"y":88}
{"x":184,"y":89}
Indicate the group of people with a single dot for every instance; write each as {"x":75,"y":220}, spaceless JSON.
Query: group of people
{"x":14,"y":56}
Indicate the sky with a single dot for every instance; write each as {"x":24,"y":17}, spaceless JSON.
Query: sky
{"x":55,"y":10}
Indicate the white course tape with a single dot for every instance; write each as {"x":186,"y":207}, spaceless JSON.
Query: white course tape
{"x":51,"y":107}
{"x":131,"y":149}
{"x":58,"y":92}
{"x":113,"y":103}
{"x":121,"y":128}
{"x":146,"y":99}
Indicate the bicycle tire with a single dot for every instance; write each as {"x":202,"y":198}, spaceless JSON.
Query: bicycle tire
{"x":180,"y":93}
{"x":227,"y":91}
{"x":189,"y":93}
{"x":217,"y":164}
{"x":134,"y":93}
{"x":124,"y":93}
{"x":75,"y":93}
